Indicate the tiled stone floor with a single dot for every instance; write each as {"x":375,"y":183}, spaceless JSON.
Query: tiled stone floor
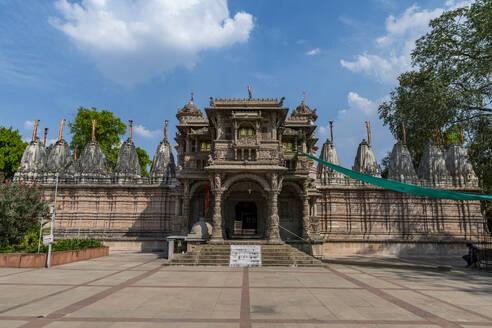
{"x":135,"y":290}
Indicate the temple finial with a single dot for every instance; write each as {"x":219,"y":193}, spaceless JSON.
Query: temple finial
{"x":44,"y":137}
{"x":249,"y":92}
{"x":304,"y":97}
{"x":462,"y":136}
{"x":331,"y":131}
{"x":404,"y":132}
{"x":93,"y":130}
{"x":368,"y":127}
{"x":60,"y":131}
{"x":165,"y":129}
{"x":437,"y":135}
{"x":131,"y":129}
{"x":192,"y":96}
{"x":35,"y":130}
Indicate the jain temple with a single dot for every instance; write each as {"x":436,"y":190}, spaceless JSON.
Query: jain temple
{"x":236,"y":179}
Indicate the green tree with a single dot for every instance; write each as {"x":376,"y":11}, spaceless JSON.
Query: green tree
{"x":21,"y":208}
{"x":109,"y":129}
{"x":11,"y":149}
{"x":143,"y":160}
{"x":451,"y":83}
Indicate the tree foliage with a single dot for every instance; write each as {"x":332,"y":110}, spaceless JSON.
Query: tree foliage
{"x":108,"y":131}
{"x":11,"y":149}
{"x":143,"y":160}
{"x":452,"y":83}
{"x":21,"y":208}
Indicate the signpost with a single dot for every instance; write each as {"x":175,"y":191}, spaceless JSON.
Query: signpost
{"x":245,"y":256}
{"x":50,"y":239}
{"x":47,"y":239}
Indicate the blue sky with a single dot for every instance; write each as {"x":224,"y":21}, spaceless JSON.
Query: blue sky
{"x":141,"y":59}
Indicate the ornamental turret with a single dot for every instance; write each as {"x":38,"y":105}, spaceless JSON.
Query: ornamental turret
{"x":459,"y":167}
{"x":33,"y":162}
{"x":432,"y":167}
{"x":400,"y":165}
{"x":127,"y":168}
{"x":59,"y":158}
{"x":163,"y":169}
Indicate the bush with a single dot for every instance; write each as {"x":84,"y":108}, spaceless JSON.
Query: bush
{"x":21,"y":208}
{"x":30,"y":245}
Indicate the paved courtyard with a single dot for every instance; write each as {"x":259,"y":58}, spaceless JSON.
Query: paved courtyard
{"x":135,"y":290}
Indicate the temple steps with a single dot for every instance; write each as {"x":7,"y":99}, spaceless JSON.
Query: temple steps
{"x":219,"y":255}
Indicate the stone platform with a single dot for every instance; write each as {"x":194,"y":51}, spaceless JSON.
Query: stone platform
{"x":218,"y":254}
{"x":134,"y":290}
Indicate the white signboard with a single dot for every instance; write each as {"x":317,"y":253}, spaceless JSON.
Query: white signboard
{"x":245,"y":255}
{"x":47,"y":239}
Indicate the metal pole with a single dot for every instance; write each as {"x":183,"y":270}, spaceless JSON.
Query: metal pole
{"x":40,"y":234}
{"x":48,"y":264}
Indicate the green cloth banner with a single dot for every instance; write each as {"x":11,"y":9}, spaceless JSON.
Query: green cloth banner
{"x":401,"y":187}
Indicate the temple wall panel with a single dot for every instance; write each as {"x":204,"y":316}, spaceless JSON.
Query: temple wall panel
{"x":115,"y":213}
{"x":390,"y":216}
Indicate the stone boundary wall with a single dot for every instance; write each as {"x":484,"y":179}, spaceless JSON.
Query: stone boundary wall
{"x":138,"y":216}
{"x":18,"y":260}
{"x":373,"y":220}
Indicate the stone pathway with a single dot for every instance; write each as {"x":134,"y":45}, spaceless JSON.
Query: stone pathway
{"x":135,"y":290}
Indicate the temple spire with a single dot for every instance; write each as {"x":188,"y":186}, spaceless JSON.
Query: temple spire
{"x":60,"y":131}
{"x":249,"y":92}
{"x":331,"y":131}
{"x":404,"y":132}
{"x":93,"y":130}
{"x":35,"y":130}
{"x":166,"y":122}
{"x":44,"y":136}
{"x":368,"y":128}
{"x":462,"y":136}
{"x":131,"y":129}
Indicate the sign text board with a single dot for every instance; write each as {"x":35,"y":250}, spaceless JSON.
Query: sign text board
{"x":245,"y":256}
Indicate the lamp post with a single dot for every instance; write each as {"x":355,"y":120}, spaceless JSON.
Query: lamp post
{"x":48,"y":263}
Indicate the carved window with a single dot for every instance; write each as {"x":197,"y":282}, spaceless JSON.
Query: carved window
{"x":246,"y":132}
{"x":286,"y":146}
{"x":228,"y":133}
{"x":205,"y":146}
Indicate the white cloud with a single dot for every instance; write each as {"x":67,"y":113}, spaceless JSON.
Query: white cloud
{"x":349,"y":129}
{"x":145,"y":133}
{"x":131,"y":41}
{"x":361,"y":104}
{"x":393,"y":49}
{"x":28,"y":125}
{"x":313,"y":52}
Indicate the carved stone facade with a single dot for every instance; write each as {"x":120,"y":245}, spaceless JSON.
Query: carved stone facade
{"x":237,"y":173}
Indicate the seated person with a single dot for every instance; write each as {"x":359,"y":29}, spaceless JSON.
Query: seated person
{"x":472,"y":257}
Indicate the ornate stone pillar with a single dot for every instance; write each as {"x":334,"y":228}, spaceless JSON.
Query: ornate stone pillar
{"x":306,"y":229}
{"x":273,"y":229}
{"x":305,"y":217}
{"x":217,"y":218}
{"x":186,"y":207}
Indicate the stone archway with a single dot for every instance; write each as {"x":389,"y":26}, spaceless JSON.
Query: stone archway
{"x":245,"y":207}
{"x":290,"y":210}
{"x":198,"y":200}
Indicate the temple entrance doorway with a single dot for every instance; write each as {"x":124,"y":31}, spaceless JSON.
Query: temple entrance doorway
{"x":246,"y":219}
{"x":245,"y":211}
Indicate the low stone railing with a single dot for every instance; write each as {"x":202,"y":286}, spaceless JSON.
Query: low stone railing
{"x":28,"y":260}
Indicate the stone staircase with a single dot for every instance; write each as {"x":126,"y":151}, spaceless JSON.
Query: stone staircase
{"x":271,"y":255}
